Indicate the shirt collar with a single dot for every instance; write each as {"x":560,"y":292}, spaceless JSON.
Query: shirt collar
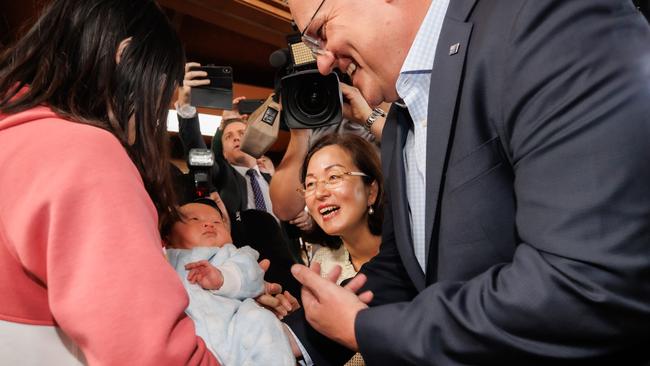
{"x":242,"y":169}
{"x":422,"y":52}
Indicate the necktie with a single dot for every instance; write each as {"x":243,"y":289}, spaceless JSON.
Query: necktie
{"x":257,"y":191}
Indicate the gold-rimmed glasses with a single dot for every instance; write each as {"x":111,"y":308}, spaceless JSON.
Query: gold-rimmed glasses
{"x":314,"y":44}
{"x":333,"y":180}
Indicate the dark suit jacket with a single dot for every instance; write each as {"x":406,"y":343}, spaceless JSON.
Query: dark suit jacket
{"x":254,"y":228}
{"x":231,"y":185}
{"x":538,"y":196}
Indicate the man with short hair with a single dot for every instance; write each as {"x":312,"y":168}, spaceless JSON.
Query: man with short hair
{"x":516,"y":157}
{"x":235,"y":174}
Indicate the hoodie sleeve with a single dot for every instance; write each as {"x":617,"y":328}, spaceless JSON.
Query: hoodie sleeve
{"x":242,"y":276}
{"x":83,"y":225}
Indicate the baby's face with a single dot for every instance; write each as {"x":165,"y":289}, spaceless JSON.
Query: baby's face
{"x":200,"y":226}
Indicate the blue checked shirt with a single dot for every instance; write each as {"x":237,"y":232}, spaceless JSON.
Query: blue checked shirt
{"x":413,"y":87}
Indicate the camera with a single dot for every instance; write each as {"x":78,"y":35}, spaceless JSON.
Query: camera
{"x":200,"y":162}
{"x":309,"y":99}
{"x":218,"y":94}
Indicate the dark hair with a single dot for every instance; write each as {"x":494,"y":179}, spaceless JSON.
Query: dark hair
{"x":67,"y":62}
{"x":167,"y":223}
{"x":217,"y":144}
{"x":364,"y":156}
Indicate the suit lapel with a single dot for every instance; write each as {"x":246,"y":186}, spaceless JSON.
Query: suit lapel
{"x":445,"y":78}
{"x":398,"y":125}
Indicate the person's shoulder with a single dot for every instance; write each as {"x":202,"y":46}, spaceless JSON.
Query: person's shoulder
{"x":53,"y":144}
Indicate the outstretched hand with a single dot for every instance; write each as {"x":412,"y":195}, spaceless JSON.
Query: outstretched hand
{"x":205,"y":274}
{"x":329,"y":308}
{"x":280,"y":303}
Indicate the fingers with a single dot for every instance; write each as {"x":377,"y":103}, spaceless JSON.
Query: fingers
{"x":190,"y":65}
{"x":197,"y":264}
{"x":268,"y":301}
{"x":356,"y":283}
{"x":237,"y":100}
{"x":295,"y":305}
{"x":315,"y":267}
{"x":300,"y":218}
{"x":284,"y":302}
{"x":310,"y":279}
{"x":192,"y":82}
{"x":195,"y":275}
{"x":348,"y":90}
{"x":264,"y":264}
{"x":334,"y":274}
{"x":272,"y":288}
{"x":366,"y":297}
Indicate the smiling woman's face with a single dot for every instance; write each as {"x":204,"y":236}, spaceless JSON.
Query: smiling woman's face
{"x":342,"y":209}
{"x":201,"y":226}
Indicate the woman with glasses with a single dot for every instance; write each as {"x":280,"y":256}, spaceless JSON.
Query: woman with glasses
{"x":343,"y":190}
{"x":342,"y":186}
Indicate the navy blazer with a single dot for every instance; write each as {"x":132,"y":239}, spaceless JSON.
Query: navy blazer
{"x":538,"y":196}
{"x":231,"y":185}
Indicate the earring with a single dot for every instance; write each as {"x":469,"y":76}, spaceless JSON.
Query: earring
{"x":370,"y":210}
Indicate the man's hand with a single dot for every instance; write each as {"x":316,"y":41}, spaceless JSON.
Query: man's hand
{"x":234,"y":112}
{"x":355,"y":108}
{"x":303,"y":221}
{"x":205,"y":274}
{"x":329,"y":308}
{"x":280,"y":303}
{"x":266,"y":165}
{"x":190,"y":80}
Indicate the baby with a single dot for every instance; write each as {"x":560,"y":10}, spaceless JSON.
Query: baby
{"x":221,"y":281}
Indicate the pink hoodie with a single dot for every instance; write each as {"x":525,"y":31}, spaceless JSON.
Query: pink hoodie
{"x":80,"y":249}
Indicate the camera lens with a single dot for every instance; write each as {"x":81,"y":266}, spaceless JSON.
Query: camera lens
{"x":312,"y":99}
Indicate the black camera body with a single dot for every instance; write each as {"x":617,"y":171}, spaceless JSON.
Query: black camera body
{"x":218,"y":94}
{"x":200,"y":162}
{"x":311,"y":100}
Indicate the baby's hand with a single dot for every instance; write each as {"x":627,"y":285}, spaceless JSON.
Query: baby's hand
{"x":205,"y":274}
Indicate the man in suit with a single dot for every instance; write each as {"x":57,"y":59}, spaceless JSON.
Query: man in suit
{"x":517,"y":225}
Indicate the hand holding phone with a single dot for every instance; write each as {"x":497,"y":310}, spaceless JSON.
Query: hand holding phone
{"x":213,"y":92}
{"x":191,"y":79}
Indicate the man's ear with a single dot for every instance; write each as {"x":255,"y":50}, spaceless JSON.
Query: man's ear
{"x":120,"y":49}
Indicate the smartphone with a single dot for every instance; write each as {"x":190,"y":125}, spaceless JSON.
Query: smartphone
{"x":248,"y":106}
{"x":218,"y":94}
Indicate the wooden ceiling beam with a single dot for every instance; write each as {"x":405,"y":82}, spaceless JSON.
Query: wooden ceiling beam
{"x":264,"y":20}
